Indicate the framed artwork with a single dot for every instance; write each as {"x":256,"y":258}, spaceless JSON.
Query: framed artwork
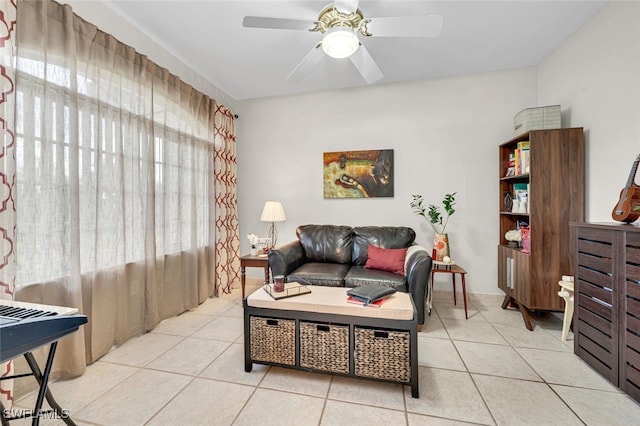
{"x":358,"y":174}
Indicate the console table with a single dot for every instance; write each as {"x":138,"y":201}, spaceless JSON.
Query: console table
{"x":322,"y":332}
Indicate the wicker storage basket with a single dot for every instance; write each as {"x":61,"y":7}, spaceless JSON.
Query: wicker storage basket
{"x":382,"y":354}
{"x":324,"y":347}
{"x":273,"y":340}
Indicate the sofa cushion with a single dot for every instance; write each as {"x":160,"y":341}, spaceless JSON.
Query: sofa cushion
{"x":326,"y":243}
{"x":390,"y":260}
{"x":389,"y":237}
{"x":329,"y":274}
{"x":359,"y":275}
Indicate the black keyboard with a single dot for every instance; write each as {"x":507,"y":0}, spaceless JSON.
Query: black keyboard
{"x":25,"y":329}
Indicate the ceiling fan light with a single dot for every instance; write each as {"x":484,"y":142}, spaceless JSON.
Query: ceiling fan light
{"x":340,"y":42}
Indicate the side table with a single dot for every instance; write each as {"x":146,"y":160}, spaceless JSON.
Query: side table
{"x":253,"y":262}
{"x":453,"y":269}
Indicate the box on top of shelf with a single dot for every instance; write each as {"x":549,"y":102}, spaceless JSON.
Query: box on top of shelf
{"x":546,"y":117}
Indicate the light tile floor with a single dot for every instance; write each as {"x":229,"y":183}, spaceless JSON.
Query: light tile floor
{"x":486,"y":370}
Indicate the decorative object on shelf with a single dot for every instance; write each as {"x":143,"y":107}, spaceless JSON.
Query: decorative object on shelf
{"x":441,"y":246}
{"x":507,"y":201}
{"x":253,"y":240}
{"x":524,"y":206}
{"x":545,"y":117}
{"x":273,"y":212}
{"x":437,"y":220}
{"x":446,"y":263}
{"x":526,"y":239}
{"x":628,"y":207}
{"x":513,"y":237}
{"x":515,"y":208}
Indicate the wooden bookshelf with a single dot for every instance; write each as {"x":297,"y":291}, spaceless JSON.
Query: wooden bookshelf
{"x":555,"y":197}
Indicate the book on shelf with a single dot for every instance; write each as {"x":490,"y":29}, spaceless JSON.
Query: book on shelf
{"x":520,"y":157}
{"x":356,"y":301}
{"x":524,"y":161}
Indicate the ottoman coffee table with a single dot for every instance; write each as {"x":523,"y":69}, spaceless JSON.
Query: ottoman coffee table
{"x":320,"y":331}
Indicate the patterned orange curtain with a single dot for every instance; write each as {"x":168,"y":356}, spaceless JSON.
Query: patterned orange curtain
{"x":7,"y":173}
{"x":226,"y":215}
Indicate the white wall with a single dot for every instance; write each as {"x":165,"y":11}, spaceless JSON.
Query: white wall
{"x":99,"y":14}
{"x":444,"y":134}
{"x":595,"y":76}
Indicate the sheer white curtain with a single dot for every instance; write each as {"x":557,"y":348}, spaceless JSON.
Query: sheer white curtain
{"x":115,"y":182}
{"x":7,"y":174}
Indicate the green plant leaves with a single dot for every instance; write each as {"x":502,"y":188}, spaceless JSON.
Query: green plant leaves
{"x":435,"y":216}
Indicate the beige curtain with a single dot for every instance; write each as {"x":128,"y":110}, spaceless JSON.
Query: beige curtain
{"x":7,"y":173}
{"x":115,"y":183}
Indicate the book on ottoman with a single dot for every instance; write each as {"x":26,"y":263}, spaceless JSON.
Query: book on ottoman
{"x":370,"y":293}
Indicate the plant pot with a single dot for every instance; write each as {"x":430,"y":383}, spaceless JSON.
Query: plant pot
{"x":254,"y":251}
{"x":441,"y":246}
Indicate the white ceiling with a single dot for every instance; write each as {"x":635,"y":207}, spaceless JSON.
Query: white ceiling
{"x":477,"y":36}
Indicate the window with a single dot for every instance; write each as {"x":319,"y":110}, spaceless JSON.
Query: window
{"x":84,"y":158}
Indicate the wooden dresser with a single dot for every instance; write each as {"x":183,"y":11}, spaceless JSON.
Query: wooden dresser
{"x":607,"y":301}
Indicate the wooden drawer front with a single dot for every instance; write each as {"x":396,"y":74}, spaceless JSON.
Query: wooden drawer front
{"x":595,"y":321}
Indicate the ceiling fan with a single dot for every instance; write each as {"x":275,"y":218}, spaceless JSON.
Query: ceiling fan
{"x":341,"y":23}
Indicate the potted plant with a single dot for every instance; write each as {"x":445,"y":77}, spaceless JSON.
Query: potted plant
{"x":438,"y":220}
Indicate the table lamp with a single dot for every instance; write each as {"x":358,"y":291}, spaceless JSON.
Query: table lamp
{"x":273,"y":212}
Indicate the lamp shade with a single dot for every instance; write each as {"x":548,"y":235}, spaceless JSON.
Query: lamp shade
{"x":340,"y":42}
{"x":273,"y":212}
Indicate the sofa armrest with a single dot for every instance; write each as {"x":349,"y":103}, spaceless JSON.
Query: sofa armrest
{"x":287,"y":258}
{"x":418,"y":266}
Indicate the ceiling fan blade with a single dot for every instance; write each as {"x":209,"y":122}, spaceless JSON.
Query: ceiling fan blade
{"x":406,"y":26}
{"x":276,"y":23}
{"x":312,"y":59}
{"x":346,"y":6}
{"x":366,"y":65}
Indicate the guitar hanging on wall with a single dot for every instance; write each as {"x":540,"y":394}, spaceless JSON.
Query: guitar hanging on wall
{"x":628,"y":207}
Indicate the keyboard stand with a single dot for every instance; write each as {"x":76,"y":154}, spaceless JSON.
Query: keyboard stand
{"x":42,"y":377}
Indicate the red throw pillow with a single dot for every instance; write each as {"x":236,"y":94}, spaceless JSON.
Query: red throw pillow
{"x":391,"y":260}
